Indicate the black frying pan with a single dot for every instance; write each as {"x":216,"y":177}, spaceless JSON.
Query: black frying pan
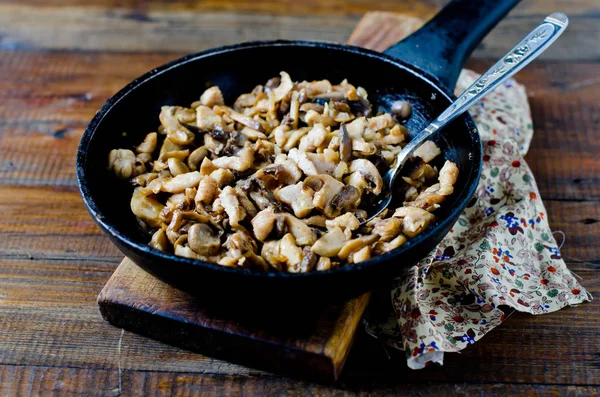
{"x":421,"y":69}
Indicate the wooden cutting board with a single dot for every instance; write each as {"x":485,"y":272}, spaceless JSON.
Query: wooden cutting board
{"x":313,"y":345}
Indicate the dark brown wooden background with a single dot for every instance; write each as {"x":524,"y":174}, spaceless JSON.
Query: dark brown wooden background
{"x":60,"y":61}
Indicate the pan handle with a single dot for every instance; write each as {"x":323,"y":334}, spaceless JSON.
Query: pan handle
{"x":443,"y":45}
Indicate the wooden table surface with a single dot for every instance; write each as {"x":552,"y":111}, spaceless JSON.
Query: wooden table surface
{"x":58,"y":64}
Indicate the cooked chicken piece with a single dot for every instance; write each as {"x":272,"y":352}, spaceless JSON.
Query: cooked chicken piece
{"x":263,"y":222}
{"x":303,"y":234}
{"x":242,"y":162}
{"x":427,"y":151}
{"x":347,"y":222}
{"x":355,"y":245}
{"x":427,"y":198}
{"x":325,"y":187}
{"x":180,"y":155}
{"x":290,"y":251}
{"x":177,"y":133}
{"x":315,"y":88}
{"x":447,"y":178}
{"x":331,"y":243}
{"x":212,"y":97}
{"x":232,"y":207}
{"x":222,"y":177}
{"x":364,"y":175}
{"x":324,"y":263}
{"x":311,"y":118}
{"x":380,"y":122}
{"x":146,"y":208}
{"x":285,"y":86}
{"x":245,"y":120}
{"x":414,"y":220}
{"x":251,"y":134}
{"x":312,"y":106}
{"x":388,"y":229}
{"x":299,"y":197}
{"x":315,"y":137}
{"x":123,"y":163}
{"x":303,"y":162}
{"x":340,"y":170}
{"x":347,"y":89}
{"x":207,"y":190}
{"x":281,"y":134}
{"x":207,"y":167}
{"x":177,"y":167}
{"x":181,"y":182}
{"x":207,"y":120}
{"x":149,"y":144}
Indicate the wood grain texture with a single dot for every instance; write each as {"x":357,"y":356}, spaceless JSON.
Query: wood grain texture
{"x":311,"y":344}
{"x":181,"y":27}
{"x":53,"y":261}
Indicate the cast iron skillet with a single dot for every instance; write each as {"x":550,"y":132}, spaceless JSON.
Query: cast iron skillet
{"x":420,"y":69}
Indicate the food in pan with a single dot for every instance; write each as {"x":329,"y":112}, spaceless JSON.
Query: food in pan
{"x":281,"y":179}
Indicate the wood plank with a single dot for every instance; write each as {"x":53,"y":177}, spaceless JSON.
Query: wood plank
{"x":48,"y":98}
{"x":51,"y":381}
{"x":181,"y":28}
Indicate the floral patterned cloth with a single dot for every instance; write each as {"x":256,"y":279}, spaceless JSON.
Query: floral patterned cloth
{"x":500,"y":252}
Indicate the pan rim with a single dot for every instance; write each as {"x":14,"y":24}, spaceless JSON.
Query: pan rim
{"x":146,"y":250}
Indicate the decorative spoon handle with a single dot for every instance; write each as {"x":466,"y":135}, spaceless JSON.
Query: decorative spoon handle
{"x":517,"y":58}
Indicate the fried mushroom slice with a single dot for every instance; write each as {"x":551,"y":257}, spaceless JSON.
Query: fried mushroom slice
{"x":242,"y":247}
{"x":203,"y":240}
{"x":388,"y":228}
{"x":355,"y":245}
{"x":283,"y":254}
{"x":159,"y":240}
{"x":177,"y":167}
{"x":383,"y":246}
{"x":345,"y":144}
{"x":345,"y":200}
{"x":325,"y":187}
{"x":414,"y":220}
{"x":361,"y":255}
{"x":146,"y":208}
{"x":176,"y":132}
{"x":364,"y":175}
{"x":331,"y":243}
{"x":196,"y":157}
{"x":232,"y":207}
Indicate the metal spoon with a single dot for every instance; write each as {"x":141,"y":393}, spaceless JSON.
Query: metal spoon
{"x":517,"y":58}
